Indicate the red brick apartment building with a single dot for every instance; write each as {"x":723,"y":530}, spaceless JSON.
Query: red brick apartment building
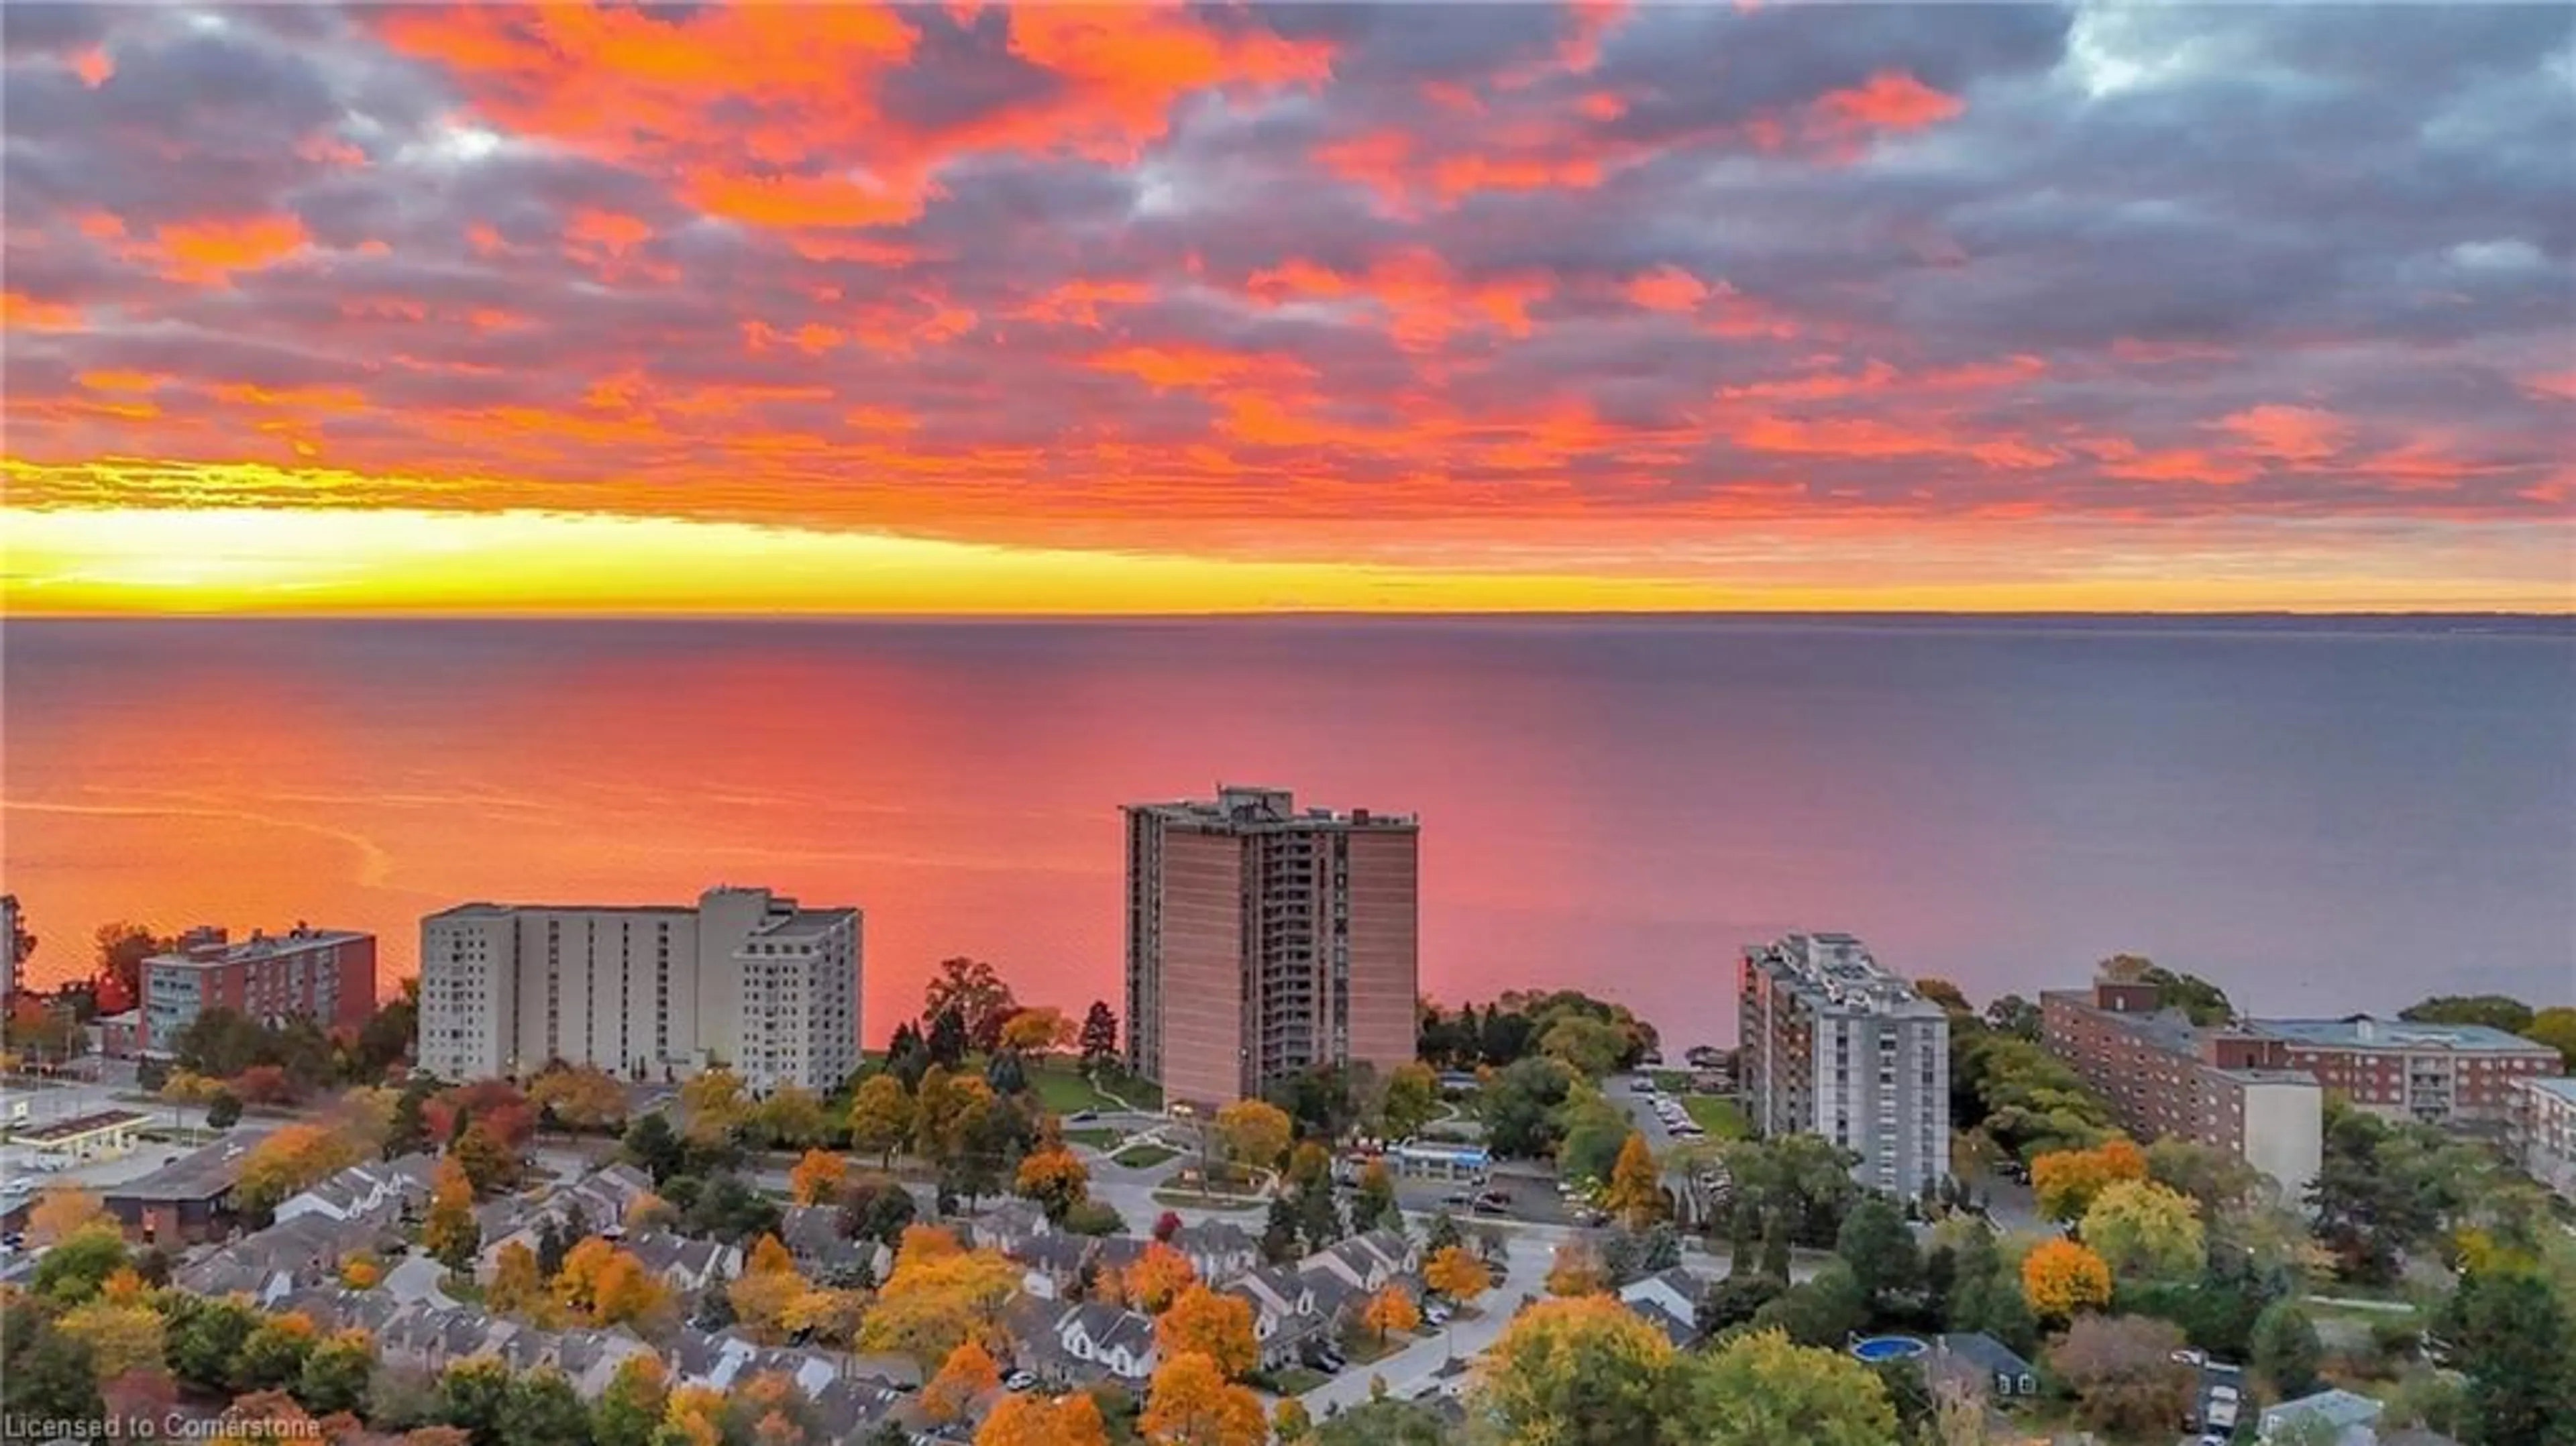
{"x":327,"y":975}
{"x":2453,"y":1075}
{"x":1263,"y":941}
{"x":2228,"y":1088}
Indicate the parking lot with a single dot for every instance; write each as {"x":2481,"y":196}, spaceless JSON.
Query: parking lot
{"x":1659,"y":1117}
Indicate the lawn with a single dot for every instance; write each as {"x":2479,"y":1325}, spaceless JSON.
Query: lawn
{"x":1097,"y":1139}
{"x":1288,"y":1381}
{"x":1670,"y":1081}
{"x":1197,"y":1201}
{"x":1063,"y":1089}
{"x":1721,"y":1117}
{"x":1144,"y":1157}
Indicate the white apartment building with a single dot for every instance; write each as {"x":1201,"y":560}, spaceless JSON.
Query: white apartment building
{"x":745,"y":978}
{"x":1835,"y":1045}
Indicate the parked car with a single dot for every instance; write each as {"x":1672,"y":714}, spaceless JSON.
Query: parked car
{"x":1020,"y":1381}
{"x":1083,"y":1117}
{"x":2223,"y":1405}
{"x":1457,"y":1197}
{"x":1496,"y":1272}
{"x":1436,"y":1313}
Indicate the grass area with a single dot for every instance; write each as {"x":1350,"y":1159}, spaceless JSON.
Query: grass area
{"x":1063,"y":1088}
{"x":1723,"y":1118}
{"x":1145,"y":1157}
{"x":1196,"y":1201}
{"x":1096,"y":1138}
{"x":1289,"y":1381}
{"x":1362,"y":1347}
{"x":1670,"y":1081}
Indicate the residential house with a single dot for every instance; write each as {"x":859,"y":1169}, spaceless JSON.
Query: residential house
{"x":1981,"y":1365}
{"x":595,"y":1204}
{"x":374,"y":1188}
{"x":2352,"y":1420}
{"x":296,"y":1254}
{"x":1116,"y":1340}
{"x":1284,"y":1315}
{"x":1345,"y":1274}
{"x":812,"y":1233}
{"x":1668,"y":1300}
{"x":1218,"y":1250}
{"x":1009,"y":1226}
{"x":686,"y":1265}
{"x":185,"y":1201}
{"x":1052,"y":1263}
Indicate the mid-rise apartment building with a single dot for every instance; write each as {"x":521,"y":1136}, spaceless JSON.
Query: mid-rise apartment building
{"x":2229,"y":1088}
{"x":326,"y":975}
{"x":2540,"y":1130}
{"x":1263,"y":941}
{"x":2454,"y":1075}
{"x":744,"y":978}
{"x":1835,"y":1045}
{"x":8,"y":947}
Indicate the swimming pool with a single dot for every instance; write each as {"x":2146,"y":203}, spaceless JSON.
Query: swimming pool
{"x":1888,"y":1348}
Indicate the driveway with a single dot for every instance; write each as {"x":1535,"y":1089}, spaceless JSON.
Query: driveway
{"x":417,"y":1279}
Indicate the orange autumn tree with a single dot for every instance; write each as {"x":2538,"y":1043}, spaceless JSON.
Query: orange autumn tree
{"x":1390,"y":1310}
{"x":1055,"y":1179}
{"x":1158,"y":1276}
{"x":1192,"y":1404}
{"x":937,"y":1295}
{"x":1024,"y":1420}
{"x":1214,"y":1325}
{"x":817,"y":1177}
{"x":605,"y":1286}
{"x":60,"y":1211}
{"x":768,"y":1291}
{"x":2060,"y":1277}
{"x":967,"y":1374}
{"x":515,"y":1288}
{"x":1636,"y":1186}
{"x":2066,"y":1181}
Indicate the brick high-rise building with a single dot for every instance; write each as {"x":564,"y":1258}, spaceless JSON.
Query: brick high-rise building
{"x":1835,"y":1045}
{"x":1263,"y":941}
{"x":326,"y":975}
{"x":2441,"y":1074}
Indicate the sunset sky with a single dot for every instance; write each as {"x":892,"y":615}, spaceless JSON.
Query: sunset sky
{"x":964,"y":308}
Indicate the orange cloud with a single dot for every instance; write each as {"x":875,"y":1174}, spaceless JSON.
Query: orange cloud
{"x":2289,"y":434}
{"x":19,"y":312}
{"x":607,"y":230}
{"x":115,"y":381}
{"x":94,"y":66}
{"x":1891,"y":100}
{"x":1422,"y":297}
{"x":1667,"y":288}
{"x":213,"y":252}
{"x":1124,"y":68}
{"x":1198,"y":367}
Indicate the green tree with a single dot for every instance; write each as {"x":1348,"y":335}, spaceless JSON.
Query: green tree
{"x":50,"y":1377}
{"x":629,"y":1409}
{"x":1879,"y":1247}
{"x":2496,"y":1011}
{"x":1375,"y":1205}
{"x":542,"y":1409}
{"x":335,"y":1375}
{"x":205,"y":1336}
{"x":274,"y":1356}
{"x":1822,"y":1311}
{"x":1763,"y":1390}
{"x":1412,"y":1099}
{"x":2513,"y":1339}
{"x":75,"y":1268}
{"x":223,"y":1111}
{"x":2555,"y":1027}
{"x":471,"y":1397}
{"x":655,"y":1147}
{"x":2286,"y":1350}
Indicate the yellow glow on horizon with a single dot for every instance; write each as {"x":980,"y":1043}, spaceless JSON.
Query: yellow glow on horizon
{"x":77,"y":561}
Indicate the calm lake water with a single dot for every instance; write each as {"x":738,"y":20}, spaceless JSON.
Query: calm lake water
{"x":2324,"y":819}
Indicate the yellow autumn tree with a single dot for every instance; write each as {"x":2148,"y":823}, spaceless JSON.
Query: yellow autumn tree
{"x":450,"y":1234}
{"x":516,"y":1288}
{"x":768,"y":1292}
{"x":817,"y":1177}
{"x":966,"y":1375}
{"x":880,"y":1117}
{"x":1390,"y":1310}
{"x":2060,"y":1277}
{"x":1215,"y":1325}
{"x":360,"y":1270}
{"x":1055,"y":1179}
{"x":60,"y":1211}
{"x":1636,"y":1193}
{"x":937,"y":1295}
{"x":1191,"y":1403}
{"x":1457,"y":1273}
{"x":1256,"y":1132}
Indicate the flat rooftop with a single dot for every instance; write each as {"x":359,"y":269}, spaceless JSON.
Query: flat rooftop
{"x":2360,"y":1031}
{"x":257,"y":946}
{"x":1255,"y":809}
{"x":79,"y":1125}
{"x":1838,"y":970}
{"x":806,"y":924}
{"x":2563,"y":1086}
